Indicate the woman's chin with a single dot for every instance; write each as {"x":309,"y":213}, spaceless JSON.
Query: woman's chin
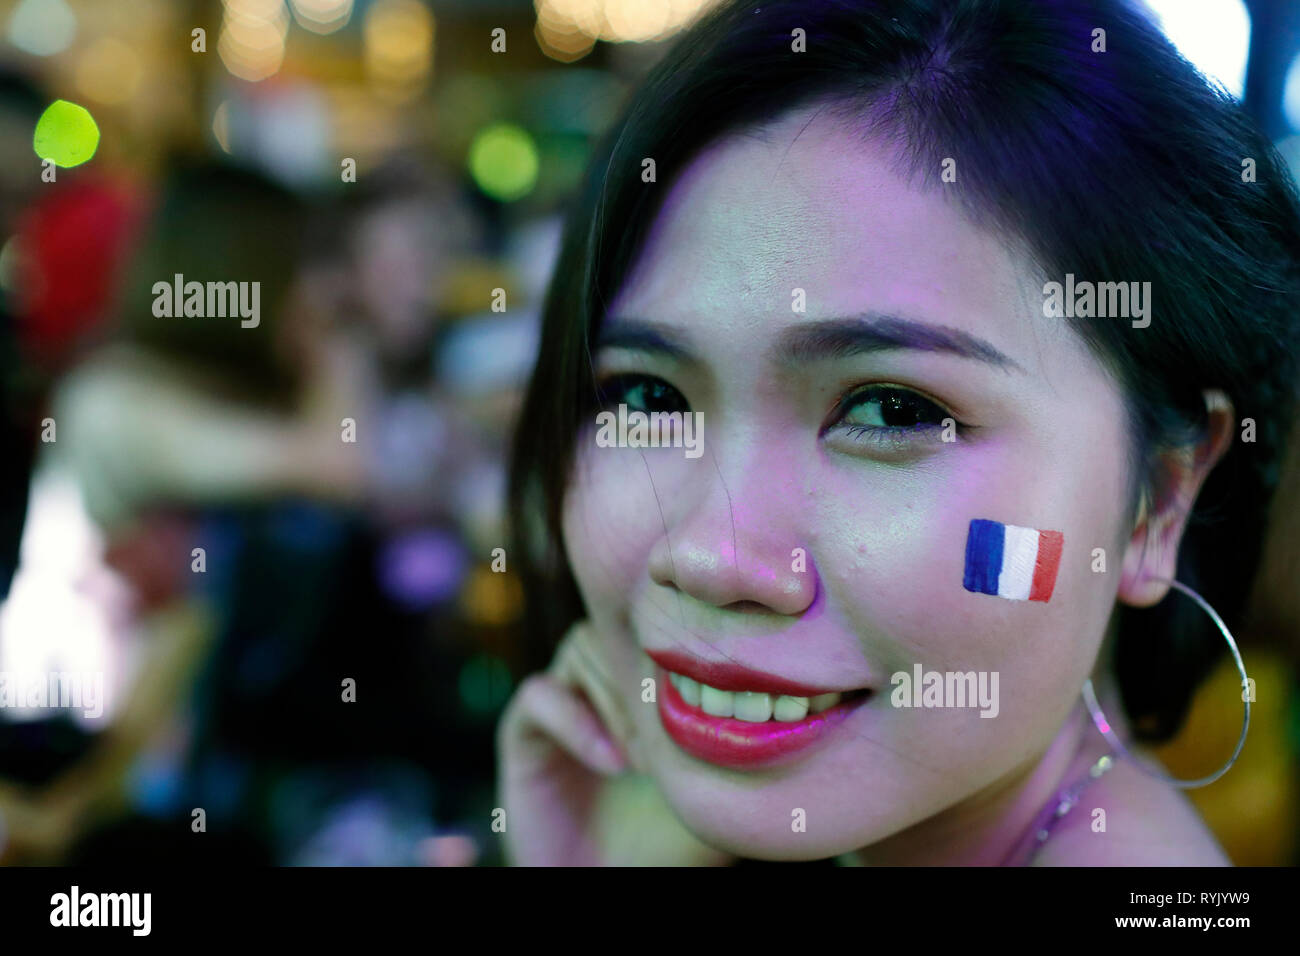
{"x":773,"y":846}
{"x":761,"y":824}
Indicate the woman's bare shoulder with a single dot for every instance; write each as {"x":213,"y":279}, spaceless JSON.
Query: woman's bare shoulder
{"x":1131,"y":819}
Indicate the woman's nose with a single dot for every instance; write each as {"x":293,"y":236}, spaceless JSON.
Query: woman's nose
{"x":734,"y":546}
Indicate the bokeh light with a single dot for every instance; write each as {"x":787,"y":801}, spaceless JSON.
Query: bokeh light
{"x":562,"y":42}
{"x":252,"y":38}
{"x":109,"y":71}
{"x":399,"y":46}
{"x":484,"y":684}
{"x":322,"y":16}
{"x":634,"y":21}
{"x":66,"y":134}
{"x":221,"y":125}
{"x":42,"y":27}
{"x":453,"y":849}
{"x":566,"y":30}
{"x":503,"y":161}
{"x":585,"y":15}
{"x":1213,"y":34}
{"x":1291,"y":94}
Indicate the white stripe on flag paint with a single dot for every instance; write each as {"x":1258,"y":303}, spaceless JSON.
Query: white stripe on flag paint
{"x":1019,"y":554}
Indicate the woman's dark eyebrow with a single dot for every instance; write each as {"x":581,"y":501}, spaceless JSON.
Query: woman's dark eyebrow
{"x":878,"y":332}
{"x":819,"y":340}
{"x":640,"y":336}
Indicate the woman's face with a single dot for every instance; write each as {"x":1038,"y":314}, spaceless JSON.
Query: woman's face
{"x":821,"y":535}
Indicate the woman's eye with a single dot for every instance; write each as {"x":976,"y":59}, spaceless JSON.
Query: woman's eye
{"x":890,"y":414}
{"x":641,"y":393}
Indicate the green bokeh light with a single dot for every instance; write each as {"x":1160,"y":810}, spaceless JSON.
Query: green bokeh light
{"x":66,"y":134}
{"x":503,"y":162}
{"x":484,"y":685}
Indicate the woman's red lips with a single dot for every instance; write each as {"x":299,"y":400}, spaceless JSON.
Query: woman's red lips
{"x":742,"y":744}
{"x":725,"y":675}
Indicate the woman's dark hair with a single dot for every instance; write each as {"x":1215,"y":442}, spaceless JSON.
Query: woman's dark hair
{"x":1122,"y":165}
{"x":217,"y":222}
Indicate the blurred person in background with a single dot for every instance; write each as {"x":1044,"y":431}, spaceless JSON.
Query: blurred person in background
{"x":63,"y":243}
{"x":401,"y":234}
{"x":20,"y":107}
{"x":181,"y":415}
{"x":410,"y":270}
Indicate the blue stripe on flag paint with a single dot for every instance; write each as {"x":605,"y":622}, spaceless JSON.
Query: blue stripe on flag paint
{"x":984,"y":556}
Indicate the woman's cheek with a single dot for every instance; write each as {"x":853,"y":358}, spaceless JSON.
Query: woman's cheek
{"x":894,"y":566}
{"x":605,"y":520}
{"x":611,"y":521}
{"x":613,"y":517}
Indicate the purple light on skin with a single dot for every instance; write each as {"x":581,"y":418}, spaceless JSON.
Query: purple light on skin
{"x":447,"y":849}
{"x":422,"y":568}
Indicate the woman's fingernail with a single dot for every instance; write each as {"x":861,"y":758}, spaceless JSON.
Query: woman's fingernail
{"x":610,"y":755}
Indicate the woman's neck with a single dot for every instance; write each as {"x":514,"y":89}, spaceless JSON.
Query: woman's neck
{"x":984,"y":828}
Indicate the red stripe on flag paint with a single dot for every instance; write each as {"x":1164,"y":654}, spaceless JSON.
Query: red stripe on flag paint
{"x":1050,"y":544}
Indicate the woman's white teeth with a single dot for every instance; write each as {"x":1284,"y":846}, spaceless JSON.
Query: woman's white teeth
{"x":755,"y":708}
{"x":719,"y":703}
{"x":689,"y":689}
{"x":790,"y":709}
{"x":824,"y":702}
{"x":748,"y":705}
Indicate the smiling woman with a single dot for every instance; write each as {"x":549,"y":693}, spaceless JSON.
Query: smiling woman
{"x":841,"y":269}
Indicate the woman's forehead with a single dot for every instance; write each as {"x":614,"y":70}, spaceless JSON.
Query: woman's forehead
{"x":808,"y":219}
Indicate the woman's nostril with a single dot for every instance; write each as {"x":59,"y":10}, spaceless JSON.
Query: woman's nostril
{"x":748,"y":607}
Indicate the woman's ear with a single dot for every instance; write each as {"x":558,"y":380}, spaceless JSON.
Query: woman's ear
{"x":1151,"y":557}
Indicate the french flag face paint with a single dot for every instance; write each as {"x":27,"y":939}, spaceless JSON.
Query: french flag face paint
{"x":1011,"y":562}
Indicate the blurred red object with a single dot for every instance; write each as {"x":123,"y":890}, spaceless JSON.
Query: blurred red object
{"x":155,"y":556}
{"x":73,"y":243}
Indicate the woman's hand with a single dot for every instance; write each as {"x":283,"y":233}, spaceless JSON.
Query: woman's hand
{"x":555,"y":754}
{"x":564,"y":745}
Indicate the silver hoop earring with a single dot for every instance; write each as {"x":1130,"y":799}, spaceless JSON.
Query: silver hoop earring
{"x":1103,"y":725}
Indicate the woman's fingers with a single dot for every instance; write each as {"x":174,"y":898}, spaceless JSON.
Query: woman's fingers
{"x":580,"y":662}
{"x":551,"y":710}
